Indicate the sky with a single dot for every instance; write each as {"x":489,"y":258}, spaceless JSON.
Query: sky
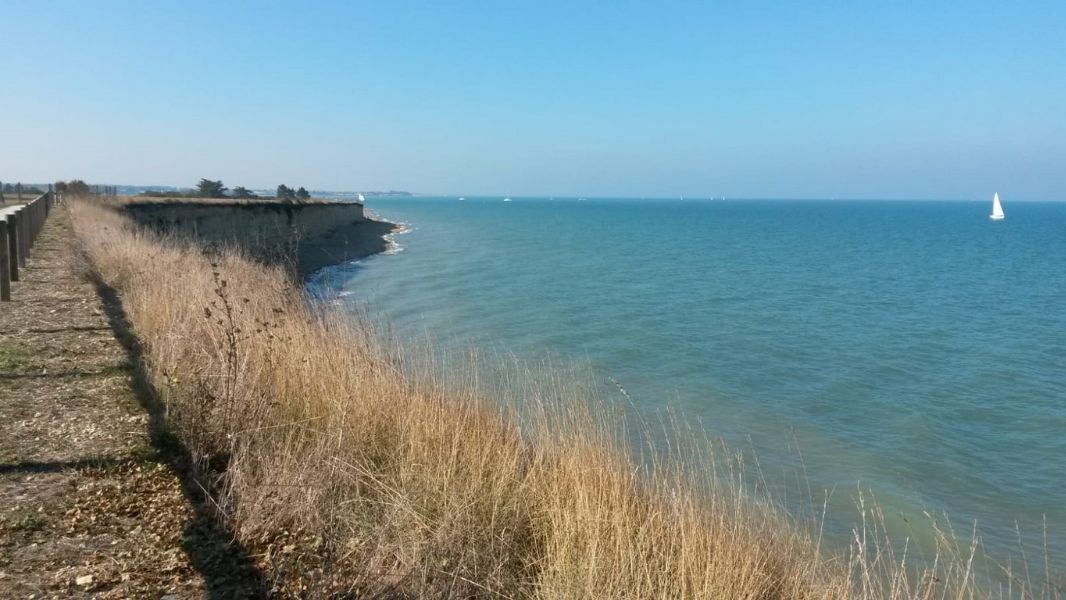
{"x":917,"y":100}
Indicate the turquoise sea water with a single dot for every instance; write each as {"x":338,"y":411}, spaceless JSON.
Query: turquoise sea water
{"x":915,"y":348}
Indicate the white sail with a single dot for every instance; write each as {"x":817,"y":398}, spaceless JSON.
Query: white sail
{"x":997,"y":208}
{"x":361,"y":198}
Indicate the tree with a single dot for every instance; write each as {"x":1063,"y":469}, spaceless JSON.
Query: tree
{"x":210,"y":189}
{"x":77,"y":187}
{"x":243,"y":192}
{"x":302,"y":194}
{"x":285,"y":192}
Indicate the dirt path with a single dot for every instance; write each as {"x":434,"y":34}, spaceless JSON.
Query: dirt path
{"x":95,"y":498}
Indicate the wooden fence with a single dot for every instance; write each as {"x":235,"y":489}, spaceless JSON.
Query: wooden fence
{"x":20,"y":227}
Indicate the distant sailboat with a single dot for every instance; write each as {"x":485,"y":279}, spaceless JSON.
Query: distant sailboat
{"x":997,"y":209}
{"x":361,"y":198}
{"x":507,"y":199}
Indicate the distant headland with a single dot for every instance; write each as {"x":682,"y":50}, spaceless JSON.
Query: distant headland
{"x":216,"y":189}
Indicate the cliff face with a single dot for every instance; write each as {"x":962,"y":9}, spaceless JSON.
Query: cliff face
{"x":317,"y":234}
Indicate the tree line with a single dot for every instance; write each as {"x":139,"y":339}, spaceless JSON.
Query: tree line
{"x":208,"y":188}
{"x":11,"y":188}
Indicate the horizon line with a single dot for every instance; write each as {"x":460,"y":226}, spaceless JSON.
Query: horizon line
{"x":680,"y":197}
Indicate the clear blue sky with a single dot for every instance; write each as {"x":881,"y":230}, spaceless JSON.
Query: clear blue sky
{"x":756,"y":99}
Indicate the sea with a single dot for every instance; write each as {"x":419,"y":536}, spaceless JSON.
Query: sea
{"x":908,"y":353}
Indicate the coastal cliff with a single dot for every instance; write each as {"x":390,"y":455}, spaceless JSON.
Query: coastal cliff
{"x":315,"y":234}
{"x":338,"y":469}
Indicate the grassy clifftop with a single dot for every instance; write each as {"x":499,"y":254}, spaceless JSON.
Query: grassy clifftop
{"x":350,"y":475}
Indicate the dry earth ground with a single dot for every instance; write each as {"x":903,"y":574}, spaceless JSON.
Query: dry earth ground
{"x":95,"y":499}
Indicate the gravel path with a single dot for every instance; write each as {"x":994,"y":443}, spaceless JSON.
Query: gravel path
{"x":95,"y":498}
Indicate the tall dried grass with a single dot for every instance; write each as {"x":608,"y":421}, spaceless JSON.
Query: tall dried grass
{"x":321,"y":433}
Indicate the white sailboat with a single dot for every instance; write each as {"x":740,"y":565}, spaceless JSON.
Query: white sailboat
{"x":361,"y":198}
{"x":997,"y":209}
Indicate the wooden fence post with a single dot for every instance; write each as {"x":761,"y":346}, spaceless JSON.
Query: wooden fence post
{"x":5,"y":267}
{"x":18,"y":190}
{"x":31,"y":214}
{"x":13,"y":245}
{"x":38,"y":222}
{"x":38,"y":217}
{"x":27,"y":210}
{"x":23,"y":221}
{"x":2,"y":201}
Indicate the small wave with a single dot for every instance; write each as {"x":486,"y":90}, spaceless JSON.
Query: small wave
{"x":326,"y":283}
{"x":394,"y":247}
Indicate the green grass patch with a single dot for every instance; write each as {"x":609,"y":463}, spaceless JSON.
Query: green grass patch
{"x":28,"y":523}
{"x":16,"y":357}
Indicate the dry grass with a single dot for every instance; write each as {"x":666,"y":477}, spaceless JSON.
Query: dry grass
{"x":319,"y":433}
